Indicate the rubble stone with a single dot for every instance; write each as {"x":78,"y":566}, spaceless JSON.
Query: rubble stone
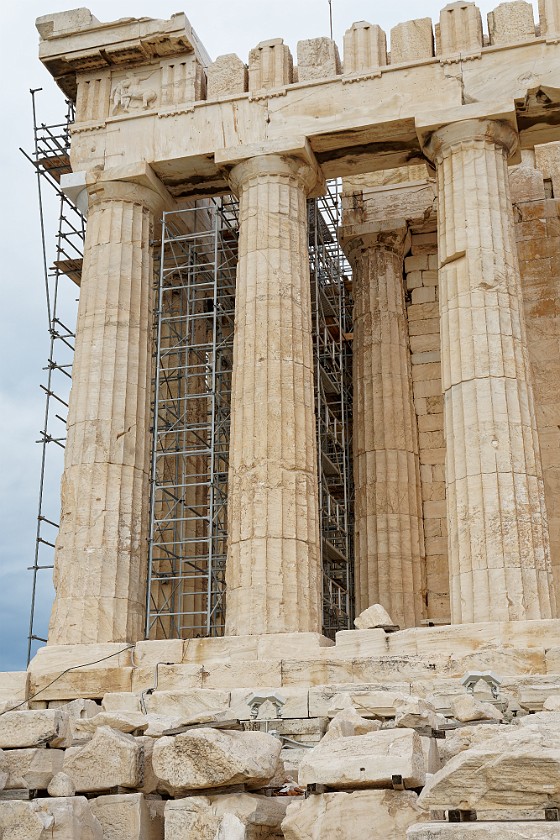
{"x":372,"y":617}
{"x":210,"y":758}
{"x":49,"y":819}
{"x":127,"y":817}
{"x":32,"y":768}
{"x":34,"y":728}
{"x":366,"y":761}
{"x":505,"y":772}
{"x":484,"y":831}
{"x":110,"y":759}
{"x":465,"y":708}
{"x":371,"y":814}
{"x":61,"y":785}
{"x":348,"y":724}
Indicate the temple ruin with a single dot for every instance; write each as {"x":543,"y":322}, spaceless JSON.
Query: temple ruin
{"x":307,"y":568}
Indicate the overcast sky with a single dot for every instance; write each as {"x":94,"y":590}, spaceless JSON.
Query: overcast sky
{"x":224,"y":26}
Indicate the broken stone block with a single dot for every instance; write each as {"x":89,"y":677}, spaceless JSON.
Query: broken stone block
{"x":415,"y":712}
{"x":32,"y":768}
{"x":367,"y":703}
{"x":35,"y":728}
{"x":412,"y":40}
{"x":348,"y":724}
{"x":49,"y":819}
{"x":119,"y":721}
{"x":371,"y":814}
{"x":127,"y":817}
{"x":374,"y":616}
{"x":366,"y":761}
{"x":511,"y":22}
{"x":458,"y":740}
{"x":61,"y":785}
{"x":209,"y":758}
{"x":227,"y":76}
{"x":231,"y":817}
{"x":318,"y":58}
{"x":552,"y":704}
{"x":110,"y":759}
{"x":484,"y":831}
{"x":518,"y":768}
{"x":465,"y":708}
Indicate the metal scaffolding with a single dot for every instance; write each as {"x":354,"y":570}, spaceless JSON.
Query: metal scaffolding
{"x":192,"y":394}
{"x":332,"y":327}
{"x":51,"y":160}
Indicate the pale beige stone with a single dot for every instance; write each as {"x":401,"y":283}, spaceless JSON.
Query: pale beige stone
{"x":275,"y":471}
{"x":4,"y":770}
{"x":119,"y":721}
{"x":34,"y":728}
{"x":466,"y":708}
{"x":412,"y":41}
{"x":552,"y":704}
{"x":61,"y":785}
{"x":231,"y":817}
{"x":365,"y":48}
{"x":366,"y":761}
{"x":501,"y":571}
{"x":111,"y":671}
{"x":127,"y":817}
{"x":348,"y":724}
{"x":372,"y":814}
{"x":121,"y":701}
{"x":13,"y":687}
{"x":317,"y":58}
{"x":368,"y":700}
{"x":150,"y":653}
{"x":110,"y":759}
{"x":49,"y":819}
{"x":511,"y":22}
{"x":270,"y":65}
{"x":105,"y":484}
{"x":549,"y":15}
{"x":504,"y":772}
{"x":372,"y":617}
{"x":209,"y":758}
{"x":31,"y":768}
{"x":483,"y":831}
{"x":415,"y":712}
{"x":460,"y":28}
{"x":227,"y":76}
{"x":389,"y":564}
{"x":296,"y":703}
{"x":187,"y":704}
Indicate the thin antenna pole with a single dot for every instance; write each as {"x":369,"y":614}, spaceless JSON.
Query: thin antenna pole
{"x":330,"y":17}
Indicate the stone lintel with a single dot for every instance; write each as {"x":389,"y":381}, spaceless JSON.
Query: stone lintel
{"x":427,"y":125}
{"x":75,"y":41}
{"x":293,"y":147}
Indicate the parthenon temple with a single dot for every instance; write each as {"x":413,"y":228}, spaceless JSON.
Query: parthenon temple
{"x":307,"y":569}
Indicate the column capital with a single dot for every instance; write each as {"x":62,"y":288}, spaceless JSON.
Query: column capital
{"x":391,"y":236}
{"x":138,"y":185}
{"x":292,"y":158}
{"x":499,"y":132}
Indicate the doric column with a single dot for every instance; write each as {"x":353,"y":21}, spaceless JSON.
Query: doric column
{"x":273,"y":566}
{"x":389,"y":549}
{"x":101,"y":551}
{"x":498,"y":542}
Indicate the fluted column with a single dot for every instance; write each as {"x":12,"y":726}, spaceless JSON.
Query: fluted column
{"x":498,"y":541}
{"x":273,"y":566}
{"x":389,"y":545}
{"x":101,"y":551}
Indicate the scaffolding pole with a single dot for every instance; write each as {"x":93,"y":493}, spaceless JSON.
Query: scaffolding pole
{"x":51,"y":160}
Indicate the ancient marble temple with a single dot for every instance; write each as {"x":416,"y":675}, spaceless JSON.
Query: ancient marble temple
{"x":438,"y":716}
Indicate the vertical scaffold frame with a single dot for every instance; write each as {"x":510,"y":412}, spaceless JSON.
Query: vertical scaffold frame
{"x":192,"y":395}
{"x":51,"y":160}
